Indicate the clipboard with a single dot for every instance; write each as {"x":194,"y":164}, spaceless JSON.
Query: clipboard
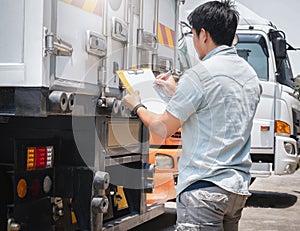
{"x":143,"y":81}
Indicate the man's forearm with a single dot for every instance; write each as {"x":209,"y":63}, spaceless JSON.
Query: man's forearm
{"x":163,"y":125}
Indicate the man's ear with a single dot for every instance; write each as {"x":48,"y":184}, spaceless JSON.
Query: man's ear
{"x":204,"y":35}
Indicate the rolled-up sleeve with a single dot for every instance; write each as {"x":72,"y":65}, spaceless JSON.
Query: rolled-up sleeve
{"x":187,"y":97}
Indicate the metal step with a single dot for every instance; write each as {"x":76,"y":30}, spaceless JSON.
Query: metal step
{"x":261,"y":169}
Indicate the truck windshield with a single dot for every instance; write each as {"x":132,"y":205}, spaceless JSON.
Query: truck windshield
{"x":253,"y":49}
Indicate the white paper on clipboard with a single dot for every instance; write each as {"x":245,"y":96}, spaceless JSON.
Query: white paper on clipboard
{"x":143,"y":81}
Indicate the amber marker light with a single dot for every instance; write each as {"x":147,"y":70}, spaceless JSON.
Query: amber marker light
{"x":30,"y":158}
{"x":265,"y":128}
{"x":22,"y":188}
{"x":282,"y":127}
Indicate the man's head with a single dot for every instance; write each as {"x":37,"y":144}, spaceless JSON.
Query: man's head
{"x":214,"y":23}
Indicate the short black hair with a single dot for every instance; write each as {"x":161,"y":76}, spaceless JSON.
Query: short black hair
{"x":219,"y":18}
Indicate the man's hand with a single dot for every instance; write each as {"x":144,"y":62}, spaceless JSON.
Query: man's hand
{"x":131,"y":101}
{"x":167,"y":83}
{"x":163,"y":125}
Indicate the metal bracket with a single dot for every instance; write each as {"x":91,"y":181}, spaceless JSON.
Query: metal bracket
{"x":96,"y":44}
{"x":119,"y":30}
{"x":147,"y":40}
{"x":165,"y":63}
{"x":12,"y":225}
{"x":56,"y":46}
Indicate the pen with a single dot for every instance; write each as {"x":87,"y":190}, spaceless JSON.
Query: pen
{"x":167,"y":74}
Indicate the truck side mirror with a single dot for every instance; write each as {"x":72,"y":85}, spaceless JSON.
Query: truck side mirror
{"x":280,"y":48}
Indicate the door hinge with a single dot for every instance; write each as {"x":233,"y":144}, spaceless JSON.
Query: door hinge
{"x":56,"y":46}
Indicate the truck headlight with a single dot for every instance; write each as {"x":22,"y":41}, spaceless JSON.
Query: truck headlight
{"x":163,"y":161}
{"x":289,"y":148}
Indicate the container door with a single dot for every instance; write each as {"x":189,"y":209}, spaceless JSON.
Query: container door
{"x":11,"y":41}
{"x":22,"y":60}
{"x":79,"y":26}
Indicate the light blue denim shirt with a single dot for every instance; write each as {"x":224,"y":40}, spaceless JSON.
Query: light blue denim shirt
{"x":216,"y":100}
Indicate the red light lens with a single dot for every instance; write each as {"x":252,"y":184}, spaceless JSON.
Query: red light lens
{"x":35,"y":187}
{"x":41,"y":157}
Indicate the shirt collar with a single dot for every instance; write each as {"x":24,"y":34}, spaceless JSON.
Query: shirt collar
{"x":223,"y":48}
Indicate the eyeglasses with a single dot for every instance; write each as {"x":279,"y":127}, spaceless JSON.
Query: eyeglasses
{"x":184,"y":24}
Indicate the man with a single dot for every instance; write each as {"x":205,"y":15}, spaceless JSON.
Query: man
{"x":214,"y":104}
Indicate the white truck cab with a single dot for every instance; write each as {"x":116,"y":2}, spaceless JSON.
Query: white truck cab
{"x":276,"y":124}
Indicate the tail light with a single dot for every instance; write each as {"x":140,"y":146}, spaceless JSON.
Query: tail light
{"x":35,"y":187}
{"x":40,"y":157}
